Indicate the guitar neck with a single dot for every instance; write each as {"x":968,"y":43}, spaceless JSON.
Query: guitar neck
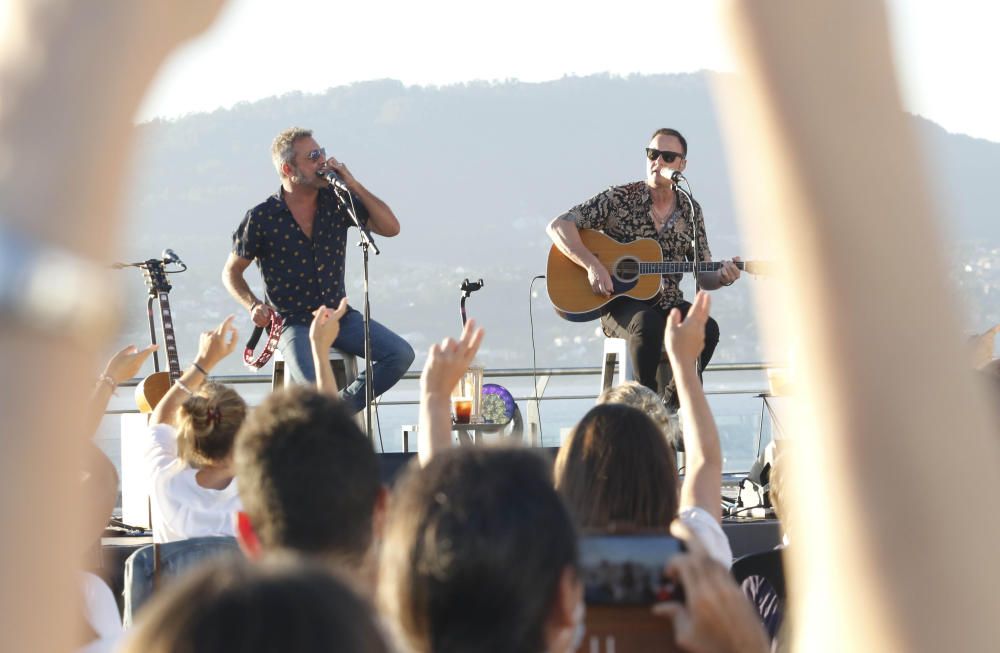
{"x":169,"y":341}
{"x":680,"y":267}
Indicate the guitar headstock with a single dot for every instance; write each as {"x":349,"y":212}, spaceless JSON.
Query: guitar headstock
{"x":156,"y":277}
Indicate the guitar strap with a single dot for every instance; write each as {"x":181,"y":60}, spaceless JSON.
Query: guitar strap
{"x":273,"y":334}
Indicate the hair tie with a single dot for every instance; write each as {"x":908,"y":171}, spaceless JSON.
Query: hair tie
{"x":213,"y":415}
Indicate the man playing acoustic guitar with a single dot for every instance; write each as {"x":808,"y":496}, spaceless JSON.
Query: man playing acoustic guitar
{"x":646,"y":209}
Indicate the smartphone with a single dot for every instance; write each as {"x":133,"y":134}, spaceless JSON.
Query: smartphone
{"x":628,"y":569}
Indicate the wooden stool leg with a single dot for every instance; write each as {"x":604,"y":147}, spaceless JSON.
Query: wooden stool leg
{"x":278,"y":375}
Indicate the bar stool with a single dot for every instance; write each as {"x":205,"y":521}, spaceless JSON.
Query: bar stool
{"x":615,"y":354}
{"x":344,"y":365}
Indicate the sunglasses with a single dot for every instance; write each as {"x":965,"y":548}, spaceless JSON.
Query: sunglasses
{"x":668,"y":157}
{"x":317,"y":155}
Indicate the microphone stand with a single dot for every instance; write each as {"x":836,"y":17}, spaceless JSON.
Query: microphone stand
{"x":694,"y":226}
{"x":365,"y":244}
{"x":694,"y":243}
{"x":468,"y":287}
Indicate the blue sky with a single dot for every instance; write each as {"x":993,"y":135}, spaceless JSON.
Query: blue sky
{"x":946,"y":54}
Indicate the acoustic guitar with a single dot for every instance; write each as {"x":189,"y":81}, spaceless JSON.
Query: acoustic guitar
{"x":635,"y":268}
{"x":151,"y":390}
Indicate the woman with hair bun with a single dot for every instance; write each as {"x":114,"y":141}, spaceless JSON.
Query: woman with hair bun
{"x":188,"y":450}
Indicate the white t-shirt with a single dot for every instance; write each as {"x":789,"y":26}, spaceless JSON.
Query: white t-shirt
{"x":709,"y":532}
{"x":101,"y":612}
{"x":181,"y":508}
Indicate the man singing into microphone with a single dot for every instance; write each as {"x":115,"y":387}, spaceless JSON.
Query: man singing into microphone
{"x":649,"y":209}
{"x":298,"y":237}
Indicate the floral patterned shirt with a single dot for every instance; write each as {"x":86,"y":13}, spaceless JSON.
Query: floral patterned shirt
{"x":623,"y":212}
{"x":300,"y":273}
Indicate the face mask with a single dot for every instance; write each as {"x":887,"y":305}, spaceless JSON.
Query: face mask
{"x":576,"y":633}
{"x":579,"y":625}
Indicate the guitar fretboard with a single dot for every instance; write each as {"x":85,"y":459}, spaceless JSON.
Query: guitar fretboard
{"x":169,"y":341}
{"x":680,"y":267}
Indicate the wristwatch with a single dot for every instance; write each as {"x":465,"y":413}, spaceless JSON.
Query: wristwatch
{"x":44,"y":287}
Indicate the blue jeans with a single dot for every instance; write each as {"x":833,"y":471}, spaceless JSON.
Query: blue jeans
{"x":391,"y":356}
{"x":176,"y":559}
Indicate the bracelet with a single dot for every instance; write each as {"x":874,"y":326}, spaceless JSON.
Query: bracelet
{"x":730,"y":283}
{"x":109,"y":381}
{"x":253,"y":306}
{"x":183,"y":387}
{"x":198,"y":367}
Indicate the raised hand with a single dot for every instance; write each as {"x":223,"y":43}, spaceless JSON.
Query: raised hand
{"x":325,"y":326}
{"x":341,"y":169}
{"x":448,"y":360}
{"x":126,"y":364}
{"x":715,"y":616}
{"x":217,"y":344}
{"x":685,"y":339}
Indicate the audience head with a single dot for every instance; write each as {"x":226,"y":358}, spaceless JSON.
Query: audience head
{"x":231,"y":605}
{"x":309,"y":478}
{"x":209,"y":420}
{"x":616,"y":470}
{"x":480,"y":555}
{"x":633,"y":393}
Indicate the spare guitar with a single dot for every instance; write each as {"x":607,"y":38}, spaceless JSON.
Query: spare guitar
{"x":635,"y":270}
{"x":150,"y":390}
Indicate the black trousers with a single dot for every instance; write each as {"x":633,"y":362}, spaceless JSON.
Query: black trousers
{"x":642,"y":325}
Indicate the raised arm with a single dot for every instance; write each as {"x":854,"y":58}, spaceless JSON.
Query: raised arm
{"x":446,"y":363}
{"x":123,"y":366}
{"x":381,"y":219}
{"x":55,"y":58}
{"x":684,"y":341}
{"x":322,"y":332}
{"x":714,"y":616}
{"x":212,"y":348}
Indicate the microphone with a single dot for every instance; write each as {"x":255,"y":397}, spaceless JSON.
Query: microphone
{"x":673,"y":175}
{"x":170,"y":256}
{"x":334,"y":180}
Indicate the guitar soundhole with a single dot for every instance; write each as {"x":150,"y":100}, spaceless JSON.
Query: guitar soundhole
{"x":627,"y":269}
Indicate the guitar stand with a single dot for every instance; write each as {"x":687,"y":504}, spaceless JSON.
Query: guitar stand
{"x":159,"y":264}
{"x":152,"y":329}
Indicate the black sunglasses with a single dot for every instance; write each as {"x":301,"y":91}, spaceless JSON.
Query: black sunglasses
{"x":668,"y":157}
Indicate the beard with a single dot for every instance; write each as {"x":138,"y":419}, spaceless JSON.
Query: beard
{"x":303,"y":179}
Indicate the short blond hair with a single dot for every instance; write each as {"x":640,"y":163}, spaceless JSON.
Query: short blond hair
{"x":632,"y":393}
{"x":283,"y":147}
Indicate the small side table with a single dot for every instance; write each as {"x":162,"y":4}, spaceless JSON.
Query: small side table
{"x":463,"y":431}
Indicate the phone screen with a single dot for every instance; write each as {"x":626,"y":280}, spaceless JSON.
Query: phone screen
{"x":628,"y":569}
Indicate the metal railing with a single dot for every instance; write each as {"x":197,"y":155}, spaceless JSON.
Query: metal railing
{"x":541,"y":375}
